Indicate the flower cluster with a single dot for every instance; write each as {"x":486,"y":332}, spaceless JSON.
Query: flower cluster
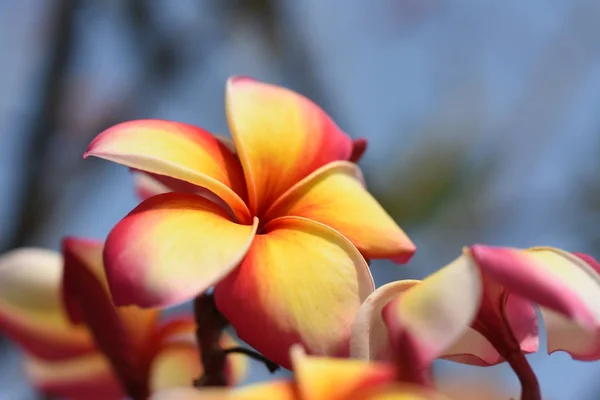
{"x":272,"y":232}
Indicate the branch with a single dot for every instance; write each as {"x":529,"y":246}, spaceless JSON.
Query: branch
{"x":43,"y":128}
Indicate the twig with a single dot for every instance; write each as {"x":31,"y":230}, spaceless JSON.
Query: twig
{"x":271,"y":366}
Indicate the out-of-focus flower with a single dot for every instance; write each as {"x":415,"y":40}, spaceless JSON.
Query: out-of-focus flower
{"x":146,"y":355}
{"x":277,"y":222}
{"x":59,"y":359}
{"x":480,"y":309}
{"x":320,"y":378}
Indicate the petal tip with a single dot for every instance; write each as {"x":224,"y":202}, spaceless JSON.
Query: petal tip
{"x":358,"y":149}
{"x":408,"y":250}
{"x":237,"y":79}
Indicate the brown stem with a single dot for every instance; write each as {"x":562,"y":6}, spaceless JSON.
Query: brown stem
{"x":529,"y":383}
{"x":209,"y":325}
{"x":501,"y":336}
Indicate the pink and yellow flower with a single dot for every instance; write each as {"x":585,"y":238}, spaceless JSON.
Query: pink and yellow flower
{"x":279,"y":222}
{"x":59,"y":358}
{"x":480,"y":309}
{"x":109,"y":351}
{"x":147,"y":355}
{"x":321,"y":378}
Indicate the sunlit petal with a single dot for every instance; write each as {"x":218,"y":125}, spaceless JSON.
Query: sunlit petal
{"x":301,"y":282}
{"x":433,"y":314}
{"x":400,"y":391}
{"x":320,"y":378}
{"x":281,"y":137}
{"x":177,"y":150}
{"x":85,"y":377}
{"x":170,"y":248}
{"x":335,"y":196}
{"x":273,"y":390}
{"x":31,"y":308}
{"x":176,"y":365}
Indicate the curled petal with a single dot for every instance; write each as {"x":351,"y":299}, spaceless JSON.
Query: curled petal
{"x":80,"y":378}
{"x":281,"y":137}
{"x":589,"y":260}
{"x":369,"y":339}
{"x":170,"y":248}
{"x":320,"y":378}
{"x":31,"y":310}
{"x":565,"y":286}
{"x":563,"y":335}
{"x":335,"y":196}
{"x":179,"y":151}
{"x":301,"y":282}
{"x":549,"y":277}
{"x":123,"y":335}
{"x":432,"y":315}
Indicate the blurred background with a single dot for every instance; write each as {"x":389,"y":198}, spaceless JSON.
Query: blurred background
{"x":482,"y":118}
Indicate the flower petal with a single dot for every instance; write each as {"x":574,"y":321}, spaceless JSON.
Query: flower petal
{"x":85,"y":377}
{"x":31,"y":310}
{"x":359,"y":146}
{"x":170,"y":248}
{"x":369,"y":339}
{"x":474,"y":349}
{"x":281,"y":137}
{"x":432,"y":315}
{"x":320,"y":378}
{"x":301,"y":282}
{"x":272,"y":390}
{"x":335,"y":196}
{"x":176,"y":365}
{"x":563,"y":335}
{"x":123,"y":335}
{"x":146,"y":186}
{"x":179,"y":151}
{"x":549,"y":277}
{"x":400,"y":391}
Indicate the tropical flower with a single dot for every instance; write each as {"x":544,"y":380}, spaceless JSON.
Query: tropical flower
{"x":321,"y":378}
{"x":278,"y":220}
{"x":147,"y":355}
{"x":480,"y":309}
{"x":59,"y":358}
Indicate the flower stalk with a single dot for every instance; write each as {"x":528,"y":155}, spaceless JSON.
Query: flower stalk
{"x":209,"y":326}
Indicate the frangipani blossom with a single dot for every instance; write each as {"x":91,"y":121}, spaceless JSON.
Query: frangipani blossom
{"x":146,"y":355}
{"x":59,"y":358}
{"x":279,"y":226}
{"x":480,"y":309}
{"x":321,"y":378}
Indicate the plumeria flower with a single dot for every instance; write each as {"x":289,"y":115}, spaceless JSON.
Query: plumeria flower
{"x":59,"y":358}
{"x":278,"y":220}
{"x":321,"y":378}
{"x":480,"y":309}
{"x":147,"y":355}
